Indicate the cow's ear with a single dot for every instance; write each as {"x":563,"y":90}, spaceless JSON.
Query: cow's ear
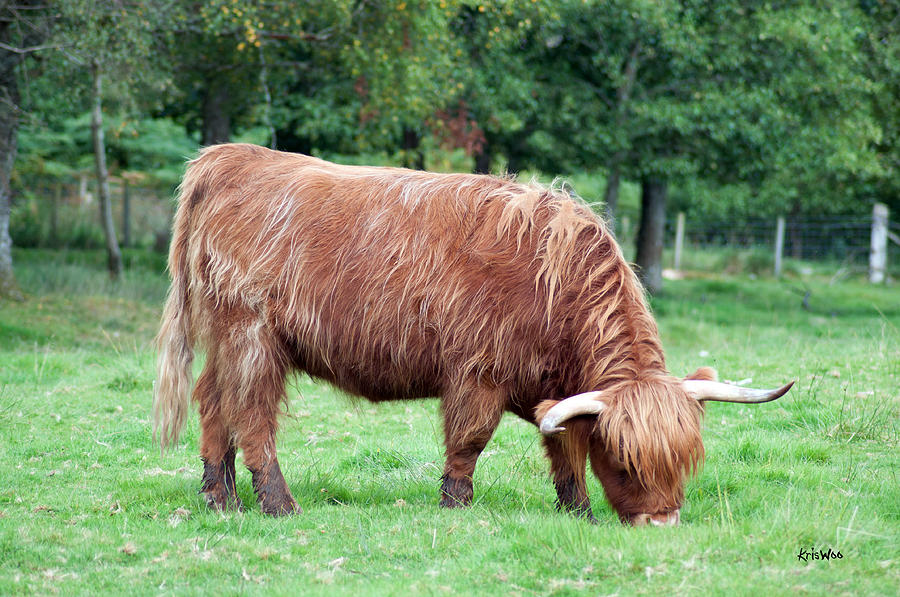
{"x":705,"y":374}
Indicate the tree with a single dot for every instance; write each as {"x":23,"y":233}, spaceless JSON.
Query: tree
{"x":389,"y":74}
{"x":114,"y":255}
{"x":350,"y":76}
{"x":664,"y":92}
{"x":24,"y":26}
{"x":105,"y":40}
{"x":881,"y":62}
{"x":494,"y":100}
{"x":216,"y":49}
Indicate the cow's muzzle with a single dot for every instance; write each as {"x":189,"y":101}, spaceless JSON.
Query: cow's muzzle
{"x":662,"y":519}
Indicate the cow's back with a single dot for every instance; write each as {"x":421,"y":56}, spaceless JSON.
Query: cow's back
{"x":385,"y":281}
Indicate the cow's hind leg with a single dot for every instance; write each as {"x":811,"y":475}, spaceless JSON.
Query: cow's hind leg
{"x":216,"y":445}
{"x":257,"y":440}
{"x":256,"y":382}
{"x":471,"y":416}
{"x":567,"y":467}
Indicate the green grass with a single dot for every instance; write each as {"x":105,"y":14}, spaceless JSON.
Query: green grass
{"x":89,"y":506}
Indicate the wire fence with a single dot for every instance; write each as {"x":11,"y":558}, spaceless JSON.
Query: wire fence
{"x":64,"y":214}
{"x":807,"y":238}
{"x":840,"y":243}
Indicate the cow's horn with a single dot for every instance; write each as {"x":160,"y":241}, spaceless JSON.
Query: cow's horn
{"x":589,"y":403}
{"x":716,"y":391}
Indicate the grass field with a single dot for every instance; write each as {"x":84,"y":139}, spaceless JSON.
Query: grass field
{"x":89,"y":506}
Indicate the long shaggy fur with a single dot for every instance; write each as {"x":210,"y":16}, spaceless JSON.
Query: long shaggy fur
{"x":395,"y":284}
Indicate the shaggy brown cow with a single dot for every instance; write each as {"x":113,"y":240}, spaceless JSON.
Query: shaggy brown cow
{"x":394,"y":284}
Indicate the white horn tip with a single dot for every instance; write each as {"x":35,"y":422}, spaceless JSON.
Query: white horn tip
{"x":551,"y":429}
{"x":703,"y":390}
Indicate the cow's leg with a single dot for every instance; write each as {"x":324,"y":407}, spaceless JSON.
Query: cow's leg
{"x":568,"y":476}
{"x":216,"y":446}
{"x":567,"y":454}
{"x":257,"y":440}
{"x":470,"y":417}
{"x":254,"y":383}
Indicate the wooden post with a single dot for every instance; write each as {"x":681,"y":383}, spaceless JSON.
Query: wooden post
{"x":679,"y":240}
{"x":84,"y":195}
{"x":779,"y":245}
{"x":878,"y":252}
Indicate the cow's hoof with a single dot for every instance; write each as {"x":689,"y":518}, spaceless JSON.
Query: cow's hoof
{"x":448,"y":501}
{"x":222,"y":502}
{"x":456,"y":493}
{"x":282,"y":507}
{"x":582,"y":512}
{"x":589,"y":518}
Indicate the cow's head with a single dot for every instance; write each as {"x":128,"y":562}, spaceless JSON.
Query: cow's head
{"x":643,"y":437}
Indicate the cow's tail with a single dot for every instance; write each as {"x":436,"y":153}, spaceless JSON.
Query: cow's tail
{"x":175,"y":342}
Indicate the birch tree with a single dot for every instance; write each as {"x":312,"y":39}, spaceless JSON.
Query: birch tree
{"x":24,"y":27}
{"x":107,"y":45}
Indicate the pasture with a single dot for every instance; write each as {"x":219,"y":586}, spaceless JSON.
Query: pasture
{"x":89,"y":506}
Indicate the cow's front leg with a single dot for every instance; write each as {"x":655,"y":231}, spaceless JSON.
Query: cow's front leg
{"x":470,"y":417}
{"x":568,"y":455}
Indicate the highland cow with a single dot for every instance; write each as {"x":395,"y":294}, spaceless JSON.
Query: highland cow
{"x":394,"y":284}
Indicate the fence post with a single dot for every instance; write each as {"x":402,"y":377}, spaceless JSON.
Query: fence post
{"x":878,"y":252}
{"x":84,"y":196}
{"x":779,"y":245}
{"x":679,"y":240}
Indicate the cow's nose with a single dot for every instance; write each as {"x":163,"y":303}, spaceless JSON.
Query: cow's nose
{"x":661,"y":519}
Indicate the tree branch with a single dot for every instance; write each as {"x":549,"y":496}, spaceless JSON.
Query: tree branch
{"x":29,"y":50}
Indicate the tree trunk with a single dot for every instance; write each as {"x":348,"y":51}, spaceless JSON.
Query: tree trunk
{"x":8,"y":286}
{"x":216,"y":119}
{"x":483,"y":159}
{"x":126,"y":213}
{"x":614,"y":169}
{"x":412,"y":152}
{"x":9,"y":127}
{"x":267,"y":97}
{"x":114,"y":256}
{"x":650,"y":235}
{"x":611,"y":195}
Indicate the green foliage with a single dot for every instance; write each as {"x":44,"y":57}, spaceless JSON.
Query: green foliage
{"x":772,"y":97}
{"x":746,"y":109}
{"x":880,"y":61}
{"x":119,"y":40}
{"x":155,"y":149}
